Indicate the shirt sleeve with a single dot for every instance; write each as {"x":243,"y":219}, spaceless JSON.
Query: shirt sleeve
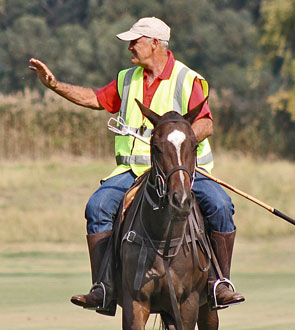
{"x":197,"y":96}
{"x":108,"y":97}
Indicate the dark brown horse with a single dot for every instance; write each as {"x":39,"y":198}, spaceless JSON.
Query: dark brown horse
{"x":164,"y":266}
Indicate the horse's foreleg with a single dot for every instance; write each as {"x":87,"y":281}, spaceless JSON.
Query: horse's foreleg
{"x":207,"y":320}
{"x":135,"y":314}
{"x":189,"y":311}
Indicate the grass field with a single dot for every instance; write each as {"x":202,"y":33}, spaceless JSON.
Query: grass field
{"x":43,"y":253}
{"x":37,"y":280}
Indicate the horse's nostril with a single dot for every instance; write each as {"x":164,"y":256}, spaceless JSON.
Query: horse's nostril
{"x":181,"y":201}
{"x":176,"y":200}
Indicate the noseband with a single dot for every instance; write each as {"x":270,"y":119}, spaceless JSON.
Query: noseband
{"x":161,"y":179}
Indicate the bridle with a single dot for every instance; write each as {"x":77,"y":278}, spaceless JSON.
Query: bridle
{"x":161,"y":179}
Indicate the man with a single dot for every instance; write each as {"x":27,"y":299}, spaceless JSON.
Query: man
{"x":162,"y":84}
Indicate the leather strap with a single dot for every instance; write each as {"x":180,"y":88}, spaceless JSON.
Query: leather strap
{"x":173,"y":298}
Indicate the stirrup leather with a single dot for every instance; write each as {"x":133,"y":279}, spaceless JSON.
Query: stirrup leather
{"x":215,"y":305}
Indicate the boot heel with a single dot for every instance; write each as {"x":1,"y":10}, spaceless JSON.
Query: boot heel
{"x":110,"y":310}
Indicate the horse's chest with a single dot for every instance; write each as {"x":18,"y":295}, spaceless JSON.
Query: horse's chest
{"x":155,"y":279}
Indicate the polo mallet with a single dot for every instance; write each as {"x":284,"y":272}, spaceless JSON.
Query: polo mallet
{"x":251,"y":198}
{"x":124,"y":129}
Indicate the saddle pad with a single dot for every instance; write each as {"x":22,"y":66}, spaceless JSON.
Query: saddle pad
{"x":130,"y":194}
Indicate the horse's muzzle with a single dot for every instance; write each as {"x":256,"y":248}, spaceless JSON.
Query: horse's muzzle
{"x":181,"y":202}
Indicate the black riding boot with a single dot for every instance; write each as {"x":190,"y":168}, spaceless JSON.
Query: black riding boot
{"x":101,"y":295}
{"x":223,"y":244}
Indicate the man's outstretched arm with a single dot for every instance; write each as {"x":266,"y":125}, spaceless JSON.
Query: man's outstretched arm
{"x":83,"y":96}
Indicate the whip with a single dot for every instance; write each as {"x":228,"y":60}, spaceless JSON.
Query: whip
{"x":124,"y":129}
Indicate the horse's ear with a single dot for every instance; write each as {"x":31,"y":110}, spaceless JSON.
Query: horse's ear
{"x":191,"y":115}
{"x":151,"y":115}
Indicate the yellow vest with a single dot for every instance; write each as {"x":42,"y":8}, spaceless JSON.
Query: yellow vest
{"x":172,"y":94}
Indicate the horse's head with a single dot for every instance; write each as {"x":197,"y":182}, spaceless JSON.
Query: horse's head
{"x":173,"y":153}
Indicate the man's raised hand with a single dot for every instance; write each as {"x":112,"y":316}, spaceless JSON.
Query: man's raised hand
{"x":44,"y":74}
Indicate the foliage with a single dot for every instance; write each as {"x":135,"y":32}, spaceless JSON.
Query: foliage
{"x":245,"y":49}
{"x":278,"y":48}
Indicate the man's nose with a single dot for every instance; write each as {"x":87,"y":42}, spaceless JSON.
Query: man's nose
{"x":131,"y":44}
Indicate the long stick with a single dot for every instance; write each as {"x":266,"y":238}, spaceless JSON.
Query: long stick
{"x":251,"y":198}
{"x":126,"y":131}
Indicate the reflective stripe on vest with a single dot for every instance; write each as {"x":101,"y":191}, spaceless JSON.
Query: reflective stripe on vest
{"x":124,"y":98}
{"x":177,"y":102}
{"x":146,"y":160}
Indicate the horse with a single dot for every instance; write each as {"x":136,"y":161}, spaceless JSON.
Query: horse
{"x":163,"y":266}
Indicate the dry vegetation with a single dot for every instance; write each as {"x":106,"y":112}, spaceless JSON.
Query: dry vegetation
{"x":33,"y":127}
{"x":45,"y":200}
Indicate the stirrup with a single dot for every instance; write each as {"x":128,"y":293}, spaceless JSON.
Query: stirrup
{"x":109,"y":310}
{"x":215,"y":305}
{"x":94,"y":287}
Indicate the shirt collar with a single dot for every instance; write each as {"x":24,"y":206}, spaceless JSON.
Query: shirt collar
{"x":167,"y":71}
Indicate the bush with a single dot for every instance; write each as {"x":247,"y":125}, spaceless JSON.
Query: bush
{"x":35,"y":127}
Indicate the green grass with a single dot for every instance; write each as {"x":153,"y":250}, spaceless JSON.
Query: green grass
{"x":263,"y":270}
{"x":37,"y":280}
{"x":36,"y":283}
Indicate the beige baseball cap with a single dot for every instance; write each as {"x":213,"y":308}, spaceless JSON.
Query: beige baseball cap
{"x":149,"y":27}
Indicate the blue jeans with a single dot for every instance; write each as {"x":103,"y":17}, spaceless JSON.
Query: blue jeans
{"x":103,"y":205}
{"x":215,"y":204}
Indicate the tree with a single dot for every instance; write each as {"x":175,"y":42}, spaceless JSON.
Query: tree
{"x":278,"y":51}
{"x":18,"y":43}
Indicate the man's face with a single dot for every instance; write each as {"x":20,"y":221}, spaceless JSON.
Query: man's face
{"x":141,"y":50}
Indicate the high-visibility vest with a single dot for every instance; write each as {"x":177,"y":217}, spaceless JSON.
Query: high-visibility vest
{"x":171,"y":94}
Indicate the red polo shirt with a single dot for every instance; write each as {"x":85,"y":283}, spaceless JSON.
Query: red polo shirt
{"x":110,"y":100}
